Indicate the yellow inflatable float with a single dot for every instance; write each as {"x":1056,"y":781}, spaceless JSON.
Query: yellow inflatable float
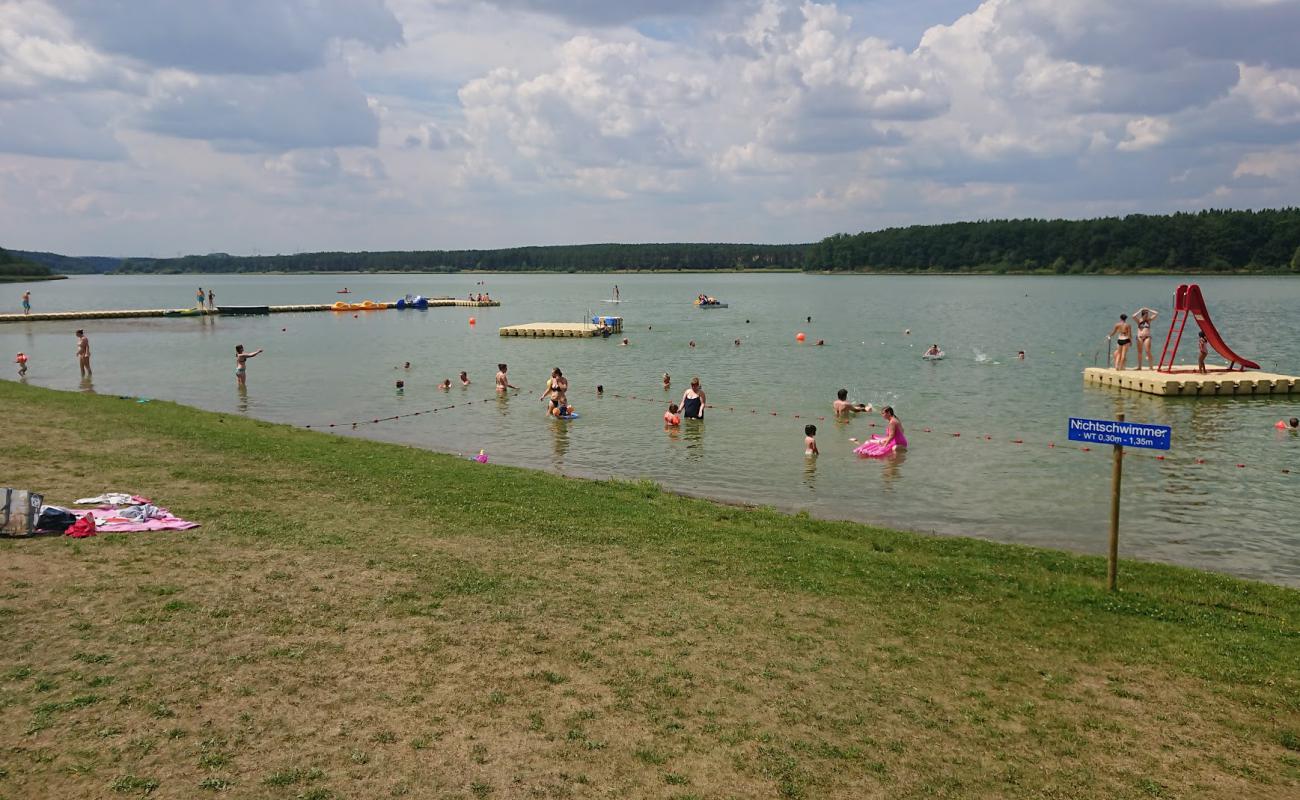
{"x":368,"y":305}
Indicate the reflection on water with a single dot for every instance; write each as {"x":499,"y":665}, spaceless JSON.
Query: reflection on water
{"x":87,"y":385}
{"x":891,"y":468}
{"x":241,"y":391}
{"x":335,"y":368}
{"x":559,"y":441}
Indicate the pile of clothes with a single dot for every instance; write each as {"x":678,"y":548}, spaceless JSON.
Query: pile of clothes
{"x":114,"y":512}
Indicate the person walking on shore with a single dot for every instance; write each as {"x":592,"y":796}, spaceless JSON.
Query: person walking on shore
{"x":83,"y":353}
{"x":1123,"y":333}
{"x":27,"y":303}
{"x":241,"y":359}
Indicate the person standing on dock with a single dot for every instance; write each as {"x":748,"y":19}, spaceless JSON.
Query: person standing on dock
{"x":198,"y":302}
{"x":212,"y":300}
{"x":616,"y":297}
{"x":1123,"y":333}
{"x":83,"y":353}
{"x":27,"y":303}
{"x":1144,"y":317}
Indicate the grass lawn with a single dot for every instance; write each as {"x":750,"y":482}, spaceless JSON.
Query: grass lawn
{"x":363,"y":620}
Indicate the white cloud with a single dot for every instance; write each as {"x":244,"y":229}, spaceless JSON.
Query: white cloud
{"x":455,"y":123}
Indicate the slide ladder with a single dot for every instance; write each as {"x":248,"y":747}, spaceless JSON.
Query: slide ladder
{"x":1189,"y":303}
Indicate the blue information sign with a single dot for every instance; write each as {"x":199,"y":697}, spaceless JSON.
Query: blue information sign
{"x":1128,"y":434}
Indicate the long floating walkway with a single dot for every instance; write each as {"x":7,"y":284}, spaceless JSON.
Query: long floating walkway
{"x":1186,"y":382}
{"x":56,"y":316}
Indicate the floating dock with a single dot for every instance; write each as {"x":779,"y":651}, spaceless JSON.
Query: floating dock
{"x":63,"y":316}
{"x":1185,"y":381}
{"x":553,"y":329}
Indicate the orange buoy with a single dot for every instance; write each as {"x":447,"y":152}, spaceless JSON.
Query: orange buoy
{"x":472,"y":321}
{"x":799,"y":337}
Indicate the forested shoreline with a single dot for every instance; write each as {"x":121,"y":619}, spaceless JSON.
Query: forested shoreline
{"x":14,"y":269}
{"x":1212,"y":241}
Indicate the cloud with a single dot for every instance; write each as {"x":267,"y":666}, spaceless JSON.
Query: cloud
{"x":59,"y":130}
{"x":322,"y":108}
{"x":245,"y":37}
{"x":615,"y":12}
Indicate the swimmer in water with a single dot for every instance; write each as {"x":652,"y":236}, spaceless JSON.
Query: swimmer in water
{"x":401,"y":386}
{"x":502,"y":381}
{"x":810,"y":440}
{"x":692,"y":344}
{"x":406,"y":365}
{"x":1144,"y":317}
{"x":844,"y":408}
{"x":600,"y":390}
{"x":821,"y":342}
{"x":1123,"y":333}
{"x":1282,"y":424}
{"x":737,"y":343}
{"x":445,"y":385}
{"x":1021,"y":355}
{"x":464,"y":378}
{"x":934,"y":351}
{"x":623,"y":343}
{"x":668,"y":381}
{"x":671,"y":417}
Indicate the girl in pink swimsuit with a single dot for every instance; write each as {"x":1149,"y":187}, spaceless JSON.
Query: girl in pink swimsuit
{"x":878,"y":446}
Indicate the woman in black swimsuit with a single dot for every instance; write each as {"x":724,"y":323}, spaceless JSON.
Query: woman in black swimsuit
{"x":693,"y":401}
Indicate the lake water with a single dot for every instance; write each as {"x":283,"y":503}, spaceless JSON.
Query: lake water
{"x":336,"y":368}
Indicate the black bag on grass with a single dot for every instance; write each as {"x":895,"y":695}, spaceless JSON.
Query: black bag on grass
{"x":55,"y":520}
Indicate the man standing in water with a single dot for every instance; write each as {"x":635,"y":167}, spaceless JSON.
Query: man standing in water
{"x":1144,"y":317}
{"x":1123,"y":333}
{"x":83,"y":353}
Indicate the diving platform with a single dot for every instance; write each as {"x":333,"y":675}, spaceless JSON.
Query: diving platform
{"x":67,"y":316}
{"x":1185,"y":381}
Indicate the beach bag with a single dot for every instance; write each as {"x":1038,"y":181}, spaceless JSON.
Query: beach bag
{"x":18,"y":511}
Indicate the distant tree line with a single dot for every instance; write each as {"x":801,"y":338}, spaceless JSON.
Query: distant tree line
{"x":15,"y":268}
{"x":563,"y":258}
{"x":1208,"y":241}
{"x":71,"y":265}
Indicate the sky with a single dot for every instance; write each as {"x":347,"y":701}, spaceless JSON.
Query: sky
{"x":157,"y":128}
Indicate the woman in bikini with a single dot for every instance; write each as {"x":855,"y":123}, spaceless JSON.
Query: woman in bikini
{"x":240,"y":359}
{"x":1123,"y":333}
{"x":557,"y":389}
{"x":1144,"y":317}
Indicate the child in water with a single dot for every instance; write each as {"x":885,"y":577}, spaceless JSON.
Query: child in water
{"x":21,"y":361}
{"x":1291,"y":424}
{"x":671,"y":417}
{"x":668,"y":381}
{"x":810,"y":440}
{"x":445,"y":385}
{"x":464,"y":378}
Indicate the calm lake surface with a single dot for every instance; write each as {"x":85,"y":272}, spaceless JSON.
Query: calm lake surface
{"x":336,"y":368}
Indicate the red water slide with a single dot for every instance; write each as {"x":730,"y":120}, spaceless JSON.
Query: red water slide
{"x":1188,"y":302}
